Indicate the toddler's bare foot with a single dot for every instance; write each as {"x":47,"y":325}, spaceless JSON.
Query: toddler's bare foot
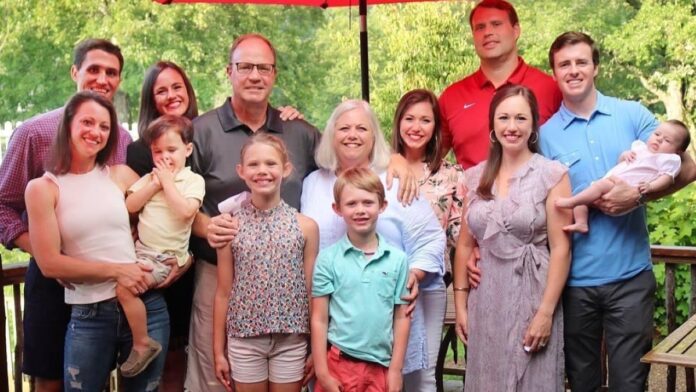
{"x":564,"y":202}
{"x":576,"y":228}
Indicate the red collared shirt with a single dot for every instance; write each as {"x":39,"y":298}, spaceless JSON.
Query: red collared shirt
{"x":464,"y":107}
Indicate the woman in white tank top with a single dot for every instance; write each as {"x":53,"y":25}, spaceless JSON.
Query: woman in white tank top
{"x":80,"y":229}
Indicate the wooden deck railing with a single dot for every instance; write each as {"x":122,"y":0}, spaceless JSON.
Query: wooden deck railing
{"x":13,"y":275}
{"x":671,"y":256}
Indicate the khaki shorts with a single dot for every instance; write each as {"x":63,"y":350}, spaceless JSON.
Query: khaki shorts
{"x":279,"y":358}
{"x":200,"y":366}
{"x":153,"y":259}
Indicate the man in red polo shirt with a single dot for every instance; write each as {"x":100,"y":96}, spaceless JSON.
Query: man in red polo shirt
{"x":464,"y":104}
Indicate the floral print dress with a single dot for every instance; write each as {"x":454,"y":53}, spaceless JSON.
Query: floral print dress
{"x":445,"y":190}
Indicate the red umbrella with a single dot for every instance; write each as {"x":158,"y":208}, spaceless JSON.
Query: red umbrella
{"x":323,"y":4}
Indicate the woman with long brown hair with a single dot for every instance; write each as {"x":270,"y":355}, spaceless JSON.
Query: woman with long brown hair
{"x":79,"y":225}
{"x":513,"y":320}
{"x":417,"y":137}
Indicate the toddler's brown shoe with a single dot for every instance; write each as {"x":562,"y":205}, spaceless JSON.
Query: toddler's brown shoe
{"x":137,"y":362}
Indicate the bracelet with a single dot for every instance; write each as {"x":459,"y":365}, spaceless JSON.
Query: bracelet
{"x":641,"y":199}
{"x":460,"y":288}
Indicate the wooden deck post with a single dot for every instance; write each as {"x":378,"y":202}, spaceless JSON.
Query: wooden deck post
{"x":4,"y":379}
{"x":671,"y":310}
{"x":19,"y":328}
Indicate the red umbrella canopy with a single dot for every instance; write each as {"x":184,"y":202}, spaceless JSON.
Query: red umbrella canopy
{"x":308,"y":3}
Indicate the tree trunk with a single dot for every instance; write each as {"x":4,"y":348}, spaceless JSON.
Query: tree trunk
{"x":674,"y":100}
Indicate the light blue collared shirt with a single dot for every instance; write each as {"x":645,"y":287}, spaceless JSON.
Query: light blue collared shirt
{"x":616,"y":248}
{"x":363,"y":296}
{"x":414,"y":229}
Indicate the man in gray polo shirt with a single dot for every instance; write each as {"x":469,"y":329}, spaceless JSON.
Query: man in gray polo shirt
{"x":218,"y":138}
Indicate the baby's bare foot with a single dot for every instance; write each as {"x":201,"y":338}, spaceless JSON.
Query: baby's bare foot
{"x":576,"y":228}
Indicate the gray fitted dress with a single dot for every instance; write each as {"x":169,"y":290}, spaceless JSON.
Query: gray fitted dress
{"x":511,"y":233}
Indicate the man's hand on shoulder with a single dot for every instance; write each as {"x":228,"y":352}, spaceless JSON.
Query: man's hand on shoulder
{"x":289,"y":113}
{"x":222,"y":229}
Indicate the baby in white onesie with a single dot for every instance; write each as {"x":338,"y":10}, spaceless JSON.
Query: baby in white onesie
{"x":649,"y":166}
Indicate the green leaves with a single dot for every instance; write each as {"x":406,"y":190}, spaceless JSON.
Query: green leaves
{"x":672,"y":221}
{"x":648,"y":49}
{"x":657,"y":46}
{"x":37,"y":47}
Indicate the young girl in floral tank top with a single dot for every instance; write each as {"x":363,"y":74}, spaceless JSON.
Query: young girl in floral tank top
{"x":261,"y":309}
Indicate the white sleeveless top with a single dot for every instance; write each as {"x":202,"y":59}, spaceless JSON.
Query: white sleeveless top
{"x":94,"y":226}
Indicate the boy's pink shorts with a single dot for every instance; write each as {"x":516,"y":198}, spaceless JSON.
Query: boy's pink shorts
{"x":355,"y":375}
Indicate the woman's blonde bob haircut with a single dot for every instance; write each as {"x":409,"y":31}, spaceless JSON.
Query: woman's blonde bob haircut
{"x":325,"y":155}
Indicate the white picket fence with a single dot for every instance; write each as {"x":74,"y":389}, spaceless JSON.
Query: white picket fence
{"x":9,"y":126}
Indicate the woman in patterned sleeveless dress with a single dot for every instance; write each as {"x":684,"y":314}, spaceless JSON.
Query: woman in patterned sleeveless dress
{"x":261,"y":310}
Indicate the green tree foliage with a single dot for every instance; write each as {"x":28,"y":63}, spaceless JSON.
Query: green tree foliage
{"x":672,"y":221}
{"x":13,"y":256}
{"x":429,"y":45}
{"x":410,"y":46}
{"x":657,"y":47}
{"x":543,"y":20}
{"x":37,"y":47}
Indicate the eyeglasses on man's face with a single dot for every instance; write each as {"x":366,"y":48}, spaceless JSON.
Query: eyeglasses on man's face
{"x":246,"y":68}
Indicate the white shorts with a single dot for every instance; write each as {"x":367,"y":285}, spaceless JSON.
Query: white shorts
{"x":278,"y":357}
{"x":149,"y":257}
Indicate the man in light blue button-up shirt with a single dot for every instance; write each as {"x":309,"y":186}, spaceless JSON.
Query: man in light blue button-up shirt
{"x":611,"y":286}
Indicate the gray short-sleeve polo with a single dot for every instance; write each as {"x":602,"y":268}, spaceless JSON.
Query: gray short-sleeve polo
{"x":218,"y":139}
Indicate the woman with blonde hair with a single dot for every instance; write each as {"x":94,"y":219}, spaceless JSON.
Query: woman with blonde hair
{"x":352,"y":139}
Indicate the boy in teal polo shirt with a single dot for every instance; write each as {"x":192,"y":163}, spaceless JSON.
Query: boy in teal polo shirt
{"x":357,"y":287}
